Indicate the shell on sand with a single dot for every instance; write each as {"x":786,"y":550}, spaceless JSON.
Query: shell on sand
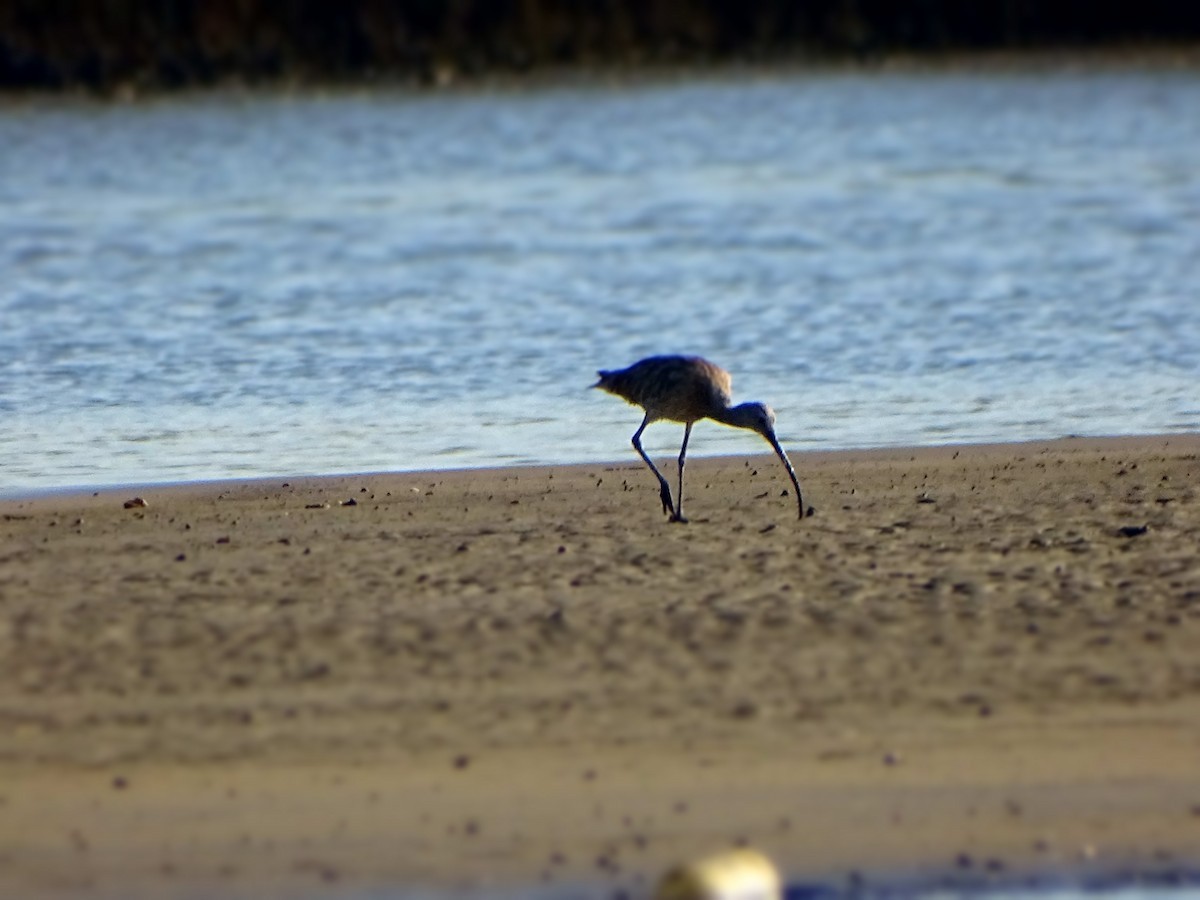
{"x":732,"y":875}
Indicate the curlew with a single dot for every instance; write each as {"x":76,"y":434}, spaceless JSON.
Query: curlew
{"x":686,"y":389}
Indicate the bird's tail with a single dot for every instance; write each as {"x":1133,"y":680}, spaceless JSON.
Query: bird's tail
{"x":605,"y":382}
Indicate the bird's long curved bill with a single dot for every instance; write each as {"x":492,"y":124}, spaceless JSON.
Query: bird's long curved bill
{"x":791,"y":472}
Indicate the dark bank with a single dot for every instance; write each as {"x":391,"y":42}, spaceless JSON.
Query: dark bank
{"x":163,"y":44}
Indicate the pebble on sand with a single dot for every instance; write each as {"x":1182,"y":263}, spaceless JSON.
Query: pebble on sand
{"x":742,"y":874}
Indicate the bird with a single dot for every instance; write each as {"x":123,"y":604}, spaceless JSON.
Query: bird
{"x":686,"y":389}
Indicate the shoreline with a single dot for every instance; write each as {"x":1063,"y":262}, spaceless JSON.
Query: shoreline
{"x":257,"y":44}
{"x":73,"y":492}
{"x":1128,"y":56}
{"x":974,"y":662}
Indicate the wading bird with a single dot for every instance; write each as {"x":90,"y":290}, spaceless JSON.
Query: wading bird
{"x":686,"y":389}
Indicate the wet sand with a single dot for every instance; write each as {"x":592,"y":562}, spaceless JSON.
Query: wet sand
{"x":978,"y":662}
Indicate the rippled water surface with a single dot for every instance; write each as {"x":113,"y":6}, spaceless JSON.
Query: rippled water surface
{"x":234,"y":285}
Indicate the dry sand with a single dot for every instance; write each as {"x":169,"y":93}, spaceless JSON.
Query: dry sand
{"x":971,"y":661}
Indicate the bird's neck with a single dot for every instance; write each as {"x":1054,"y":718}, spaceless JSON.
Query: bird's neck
{"x":740,"y":416}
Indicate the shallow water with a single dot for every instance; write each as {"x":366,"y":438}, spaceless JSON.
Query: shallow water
{"x":236,"y":285}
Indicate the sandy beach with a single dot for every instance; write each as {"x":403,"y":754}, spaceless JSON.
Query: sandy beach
{"x":980,"y":662}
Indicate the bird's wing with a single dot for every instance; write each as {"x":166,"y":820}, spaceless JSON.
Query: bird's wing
{"x":720,"y":381}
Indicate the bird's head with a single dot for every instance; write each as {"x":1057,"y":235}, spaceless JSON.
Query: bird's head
{"x":761,"y":418}
{"x":757,"y":417}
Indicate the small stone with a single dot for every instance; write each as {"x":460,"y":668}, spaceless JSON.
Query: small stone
{"x":744,"y":709}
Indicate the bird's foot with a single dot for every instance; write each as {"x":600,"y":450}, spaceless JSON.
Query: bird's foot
{"x":677,"y":517}
{"x":664,"y":493}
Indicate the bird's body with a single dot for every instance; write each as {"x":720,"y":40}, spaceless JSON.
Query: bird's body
{"x":680,"y":388}
{"x":686,"y":389}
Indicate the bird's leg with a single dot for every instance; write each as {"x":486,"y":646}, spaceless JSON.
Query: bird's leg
{"x":678,"y":515}
{"x":664,"y":489}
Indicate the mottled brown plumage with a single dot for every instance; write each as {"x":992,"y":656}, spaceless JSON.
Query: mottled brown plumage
{"x":686,"y":389}
{"x":679,"y":388}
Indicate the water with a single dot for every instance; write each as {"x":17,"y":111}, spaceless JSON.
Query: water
{"x":238,"y":285}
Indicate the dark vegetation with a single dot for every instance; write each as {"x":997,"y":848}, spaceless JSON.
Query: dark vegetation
{"x":105,"y":44}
